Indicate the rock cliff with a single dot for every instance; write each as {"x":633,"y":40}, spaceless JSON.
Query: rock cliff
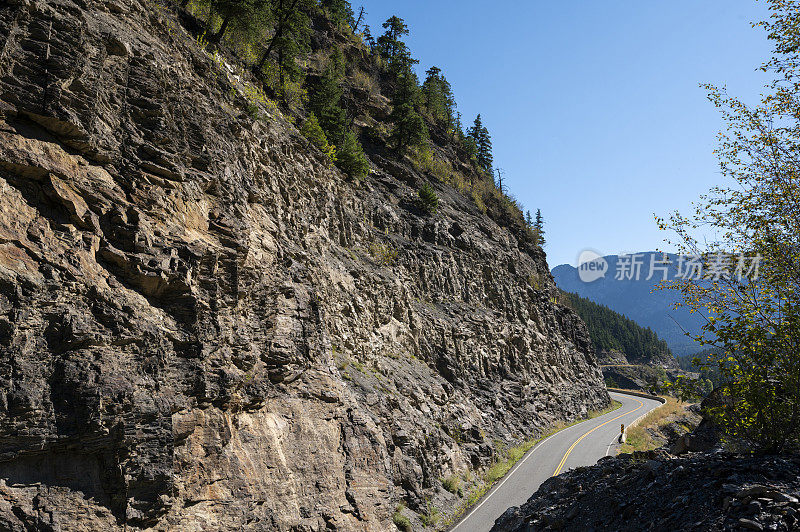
{"x":205,"y":326}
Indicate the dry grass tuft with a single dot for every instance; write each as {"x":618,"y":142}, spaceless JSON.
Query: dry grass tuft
{"x":639,"y":439}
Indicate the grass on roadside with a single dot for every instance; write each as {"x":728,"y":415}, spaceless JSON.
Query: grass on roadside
{"x":509,"y":457}
{"x":638,"y":438}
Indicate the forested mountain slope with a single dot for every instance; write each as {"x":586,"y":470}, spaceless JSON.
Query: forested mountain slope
{"x":638,"y":298}
{"x":611,"y":331}
{"x":208,"y":324}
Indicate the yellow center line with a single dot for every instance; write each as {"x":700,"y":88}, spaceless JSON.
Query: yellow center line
{"x":564,"y":460}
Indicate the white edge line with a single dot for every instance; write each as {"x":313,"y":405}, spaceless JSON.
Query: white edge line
{"x":508,"y":475}
{"x":610,"y":445}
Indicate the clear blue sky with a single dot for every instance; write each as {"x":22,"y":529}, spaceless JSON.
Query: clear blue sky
{"x":594,"y":107}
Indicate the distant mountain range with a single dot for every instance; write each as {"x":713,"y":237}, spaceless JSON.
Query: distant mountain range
{"x":637,"y":299}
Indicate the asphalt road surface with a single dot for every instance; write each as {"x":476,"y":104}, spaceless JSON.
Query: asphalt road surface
{"x":579,"y":445}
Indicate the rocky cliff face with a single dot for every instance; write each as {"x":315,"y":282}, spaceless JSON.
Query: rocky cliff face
{"x":204,"y":326}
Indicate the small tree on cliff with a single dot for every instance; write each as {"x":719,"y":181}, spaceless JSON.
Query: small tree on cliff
{"x":392,"y":48}
{"x":438,"y":97}
{"x":483,"y":145}
{"x":350,"y":156}
{"x":428,"y":199}
{"x":538,"y":228}
{"x":326,"y":102}
{"x":409,"y":127}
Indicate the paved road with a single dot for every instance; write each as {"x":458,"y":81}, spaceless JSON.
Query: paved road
{"x":580,"y":445}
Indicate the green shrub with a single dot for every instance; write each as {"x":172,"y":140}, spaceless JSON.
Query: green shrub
{"x":478,"y":199}
{"x":424,"y":161}
{"x":400,"y":521}
{"x":385,"y":254}
{"x":313,"y":132}
{"x":293,"y":94}
{"x":364,"y":81}
{"x":428,"y":200}
{"x":252,"y":111}
{"x":350,"y":157}
{"x":453,"y":485}
{"x":431,"y":516}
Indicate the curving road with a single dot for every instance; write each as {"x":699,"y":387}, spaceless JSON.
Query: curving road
{"x":579,"y":445}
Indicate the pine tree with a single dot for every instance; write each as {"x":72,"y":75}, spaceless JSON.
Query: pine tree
{"x":227,"y":10}
{"x":483,"y":144}
{"x":340,"y":12}
{"x":438,"y":97}
{"x":389,"y":44}
{"x":326,"y":103}
{"x":475,"y":131}
{"x":538,"y":228}
{"x":326,"y":99}
{"x":470,"y":147}
{"x":368,"y":39}
{"x":292,"y":30}
{"x":528,"y":220}
{"x":350,"y":156}
{"x":409,"y":127}
{"x":243,"y":16}
{"x":392,"y":48}
{"x":428,"y":199}
{"x":485,"y":158}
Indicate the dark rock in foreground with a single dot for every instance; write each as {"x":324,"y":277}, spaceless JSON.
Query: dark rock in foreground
{"x":656,"y":491}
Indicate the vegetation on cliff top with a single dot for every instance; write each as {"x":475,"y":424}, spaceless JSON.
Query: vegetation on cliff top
{"x":325,"y":70}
